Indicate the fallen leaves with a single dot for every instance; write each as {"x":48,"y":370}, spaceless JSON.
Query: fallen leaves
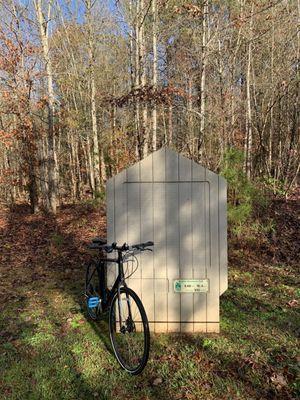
{"x":270,"y":361}
{"x":157,"y":381}
{"x":278,"y":380}
{"x":293,"y":303}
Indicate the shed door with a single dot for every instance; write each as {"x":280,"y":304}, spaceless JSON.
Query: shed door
{"x":175,"y":215}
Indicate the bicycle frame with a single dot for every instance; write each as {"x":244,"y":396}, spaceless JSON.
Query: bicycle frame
{"x":107,"y":298}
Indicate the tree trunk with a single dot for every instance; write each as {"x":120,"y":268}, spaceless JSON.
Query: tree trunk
{"x":203,"y":77}
{"x":42,"y":161}
{"x":154,"y":79}
{"x":270,"y":158}
{"x":70,"y":137}
{"x":113,"y":153}
{"x":51,"y":153}
{"x":89,"y":165}
{"x":233,"y":78}
{"x":248,"y":140}
{"x":145,"y":130}
{"x":96,"y":162}
{"x":137,"y":81}
{"x":170,"y":124}
{"x":78,"y":180}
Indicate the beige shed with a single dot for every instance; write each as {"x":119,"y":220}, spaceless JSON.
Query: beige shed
{"x":181,"y":207}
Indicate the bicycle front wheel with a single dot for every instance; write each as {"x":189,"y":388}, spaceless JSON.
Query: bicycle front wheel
{"x":129,"y":331}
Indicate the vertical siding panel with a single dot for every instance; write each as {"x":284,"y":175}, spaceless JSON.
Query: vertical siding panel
{"x":146,"y":258}
{"x":120,"y":208}
{"x":172,"y":239}
{"x":207,"y":231}
{"x":213,"y":268}
{"x":134,"y":220}
{"x":159,"y":165}
{"x":110,"y":201}
{"x":120,"y":216}
{"x":172,"y":244}
{"x":223,"y":234}
{"x":198,"y":229}
{"x":133,"y":173}
{"x":159,"y":221}
{"x":186,"y":240}
{"x":172,"y":167}
{"x":148,"y":300}
{"x":110,"y":209}
{"x":146,"y":168}
{"x":159,"y":224}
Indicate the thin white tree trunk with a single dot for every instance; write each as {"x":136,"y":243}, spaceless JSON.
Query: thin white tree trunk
{"x":233,"y":84}
{"x":137,"y":79}
{"x":91,"y":51}
{"x":89,"y":164}
{"x":203,"y":77}
{"x":145,"y":130}
{"x":154,"y":79}
{"x":272,"y":98}
{"x":131,"y":47}
{"x":190,"y":127}
{"x":78,"y":170}
{"x":248,"y":141}
{"x":43,"y":22}
{"x":170,"y":124}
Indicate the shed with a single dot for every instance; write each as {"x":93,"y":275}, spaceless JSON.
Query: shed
{"x":181,"y":207}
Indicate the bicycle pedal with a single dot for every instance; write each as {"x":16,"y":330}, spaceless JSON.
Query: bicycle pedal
{"x":93,"y":302}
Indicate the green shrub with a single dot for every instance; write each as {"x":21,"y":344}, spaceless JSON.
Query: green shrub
{"x":244,"y":199}
{"x":277,"y":187}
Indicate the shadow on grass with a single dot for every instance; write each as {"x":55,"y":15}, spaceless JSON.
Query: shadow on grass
{"x":43,"y":254}
{"x":35,"y":363}
{"x":241,"y":305}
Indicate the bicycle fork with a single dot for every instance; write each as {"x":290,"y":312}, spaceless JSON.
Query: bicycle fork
{"x":120,"y":308}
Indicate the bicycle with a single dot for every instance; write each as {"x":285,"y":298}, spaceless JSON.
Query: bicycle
{"x":128,"y":323}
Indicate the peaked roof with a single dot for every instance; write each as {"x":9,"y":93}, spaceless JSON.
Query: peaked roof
{"x":156,"y":163}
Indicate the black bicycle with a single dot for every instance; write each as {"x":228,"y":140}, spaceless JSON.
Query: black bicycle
{"x":128,"y":323}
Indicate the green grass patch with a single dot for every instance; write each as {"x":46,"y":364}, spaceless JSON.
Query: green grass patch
{"x":49,"y":350}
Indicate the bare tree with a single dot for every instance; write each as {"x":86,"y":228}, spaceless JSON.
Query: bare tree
{"x":248,"y":138}
{"x":154,"y":72}
{"x":43,"y":18}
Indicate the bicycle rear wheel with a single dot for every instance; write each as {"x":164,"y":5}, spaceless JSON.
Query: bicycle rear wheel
{"x":129,"y":331}
{"x":92,"y":289}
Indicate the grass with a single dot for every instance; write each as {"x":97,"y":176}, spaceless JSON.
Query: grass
{"x":49,"y":349}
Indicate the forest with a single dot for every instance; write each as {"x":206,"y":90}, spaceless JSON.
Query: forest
{"x":89,"y":88}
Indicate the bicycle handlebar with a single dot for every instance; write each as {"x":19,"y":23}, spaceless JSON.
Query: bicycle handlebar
{"x":124,"y":247}
{"x":142,"y":245}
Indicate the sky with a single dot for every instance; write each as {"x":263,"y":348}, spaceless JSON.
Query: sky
{"x":77,"y":6}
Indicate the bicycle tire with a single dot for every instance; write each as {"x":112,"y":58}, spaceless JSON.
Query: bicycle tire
{"x":92,"y":289}
{"x":131,"y":329}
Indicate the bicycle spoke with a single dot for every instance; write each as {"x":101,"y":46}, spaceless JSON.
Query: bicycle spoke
{"x":129,"y":340}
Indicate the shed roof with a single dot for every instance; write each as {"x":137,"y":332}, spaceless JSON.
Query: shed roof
{"x":166,"y":164}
